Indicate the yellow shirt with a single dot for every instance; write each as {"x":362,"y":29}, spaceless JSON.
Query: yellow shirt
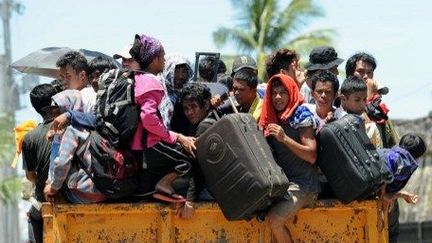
{"x":256,"y":107}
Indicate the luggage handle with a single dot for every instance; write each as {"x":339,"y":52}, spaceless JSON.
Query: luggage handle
{"x":232,"y":104}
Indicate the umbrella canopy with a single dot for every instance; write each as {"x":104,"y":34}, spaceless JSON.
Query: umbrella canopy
{"x":43,"y":62}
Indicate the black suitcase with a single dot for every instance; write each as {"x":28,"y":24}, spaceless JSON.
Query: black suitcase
{"x":239,"y":167}
{"x":349,"y":160}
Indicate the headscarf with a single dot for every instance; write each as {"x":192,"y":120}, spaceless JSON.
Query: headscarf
{"x":145,"y":49}
{"x":20,"y":131}
{"x":171,"y":61}
{"x":68,"y":100}
{"x":268,"y":113}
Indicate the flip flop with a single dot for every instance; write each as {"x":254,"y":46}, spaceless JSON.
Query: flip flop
{"x":172,"y":198}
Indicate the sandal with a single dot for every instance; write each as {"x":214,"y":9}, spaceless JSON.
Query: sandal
{"x":172,"y":198}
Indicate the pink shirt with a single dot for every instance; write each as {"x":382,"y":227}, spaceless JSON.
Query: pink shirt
{"x":148,"y":95}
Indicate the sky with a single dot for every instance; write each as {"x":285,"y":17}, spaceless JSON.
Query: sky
{"x":396,"y":32}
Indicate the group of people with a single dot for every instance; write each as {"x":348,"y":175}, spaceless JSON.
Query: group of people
{"x":174,"y":110}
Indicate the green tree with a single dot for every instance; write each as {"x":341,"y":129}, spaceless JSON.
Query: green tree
{"x":262,"y":26}
{"x":9,"y":183}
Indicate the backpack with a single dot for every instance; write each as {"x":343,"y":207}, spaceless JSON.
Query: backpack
{"x":401,"y":164}
{"x":117,"y":115}
{"x":113,"y":171}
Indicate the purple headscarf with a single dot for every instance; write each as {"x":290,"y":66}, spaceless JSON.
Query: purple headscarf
{"x":145,"y":49}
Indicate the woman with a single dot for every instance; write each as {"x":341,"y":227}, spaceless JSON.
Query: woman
{"x":166,"y":152}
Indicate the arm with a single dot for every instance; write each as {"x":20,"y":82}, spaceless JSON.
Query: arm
{"x":83,"y":119}
{"x":306,"y":149}
{"x":152,"y":122}
{"x":62,"y":163}
{"x":150,"y":119}
{"x":408,"y":197}
{"x":76,"y":118}
{"x":27,"y":154}
{"x":31,"y":176}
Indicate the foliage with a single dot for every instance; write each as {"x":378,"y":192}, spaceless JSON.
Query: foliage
{"x":9,"y":185}
{"x":9,"y":188}
{"x":263,"y":26}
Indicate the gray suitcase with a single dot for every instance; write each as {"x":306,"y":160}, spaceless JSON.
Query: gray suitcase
{"x":239,"y":167}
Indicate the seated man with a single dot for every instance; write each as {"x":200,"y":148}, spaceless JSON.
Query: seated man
{"x":320,"y":58}
{"x":290,"y":129}
{"x":195,"y":100}
{"x":84,"y":119}
{"x":325,"y":86}
{"x":324,"y":89}
{"x":245,"y":93}
{"x":177,"y":72}
{"x":63,"y":173}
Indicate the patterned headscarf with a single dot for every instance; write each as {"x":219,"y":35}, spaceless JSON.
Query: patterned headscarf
{"x":145,"y":49}
{"x":68,"y":100}
{"x":171,"y":61}
{"x":268,"y":113}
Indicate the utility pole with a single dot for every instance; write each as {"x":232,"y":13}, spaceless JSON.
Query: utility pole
{"x":9,"y":90}
{"x":9,"y":102}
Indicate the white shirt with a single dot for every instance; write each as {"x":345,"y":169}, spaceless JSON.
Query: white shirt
{"x":307,"y":93}
{"x":88,"y":96}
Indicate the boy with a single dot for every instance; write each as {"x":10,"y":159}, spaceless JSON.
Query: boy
{"x":401,"y":161}
{"x":353,"y":96}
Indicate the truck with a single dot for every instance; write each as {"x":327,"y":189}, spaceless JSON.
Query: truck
{"x":328,"y":221}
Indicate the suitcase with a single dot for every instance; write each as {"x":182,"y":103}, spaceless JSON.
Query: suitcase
{"x":349,"y":160}
{"x":239,"y":166}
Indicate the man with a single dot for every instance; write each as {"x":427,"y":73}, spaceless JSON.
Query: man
{"x":284,"y":61}
{"x":36,"y":152}
{"x":126,"y":59}
{"x":325,"y":86}
{"x":177,"y":72}
{"x":195,"y":101}
{"x":74,"y":72}
{"x":320,"y":58}
{"x":289,"y":128}
{"x":243,"y":62}
{"x":245,"y":93}
{"x":206,"y":68}
{"x":363,"y":66}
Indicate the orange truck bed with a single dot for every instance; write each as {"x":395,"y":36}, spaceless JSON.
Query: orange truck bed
{"x":328,"y":221}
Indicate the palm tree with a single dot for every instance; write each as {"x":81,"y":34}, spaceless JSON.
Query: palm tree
{"x":263,"y":27}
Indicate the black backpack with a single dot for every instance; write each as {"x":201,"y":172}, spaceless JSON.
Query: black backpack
{"x":113,"y":171}
{"x":117,"y":115}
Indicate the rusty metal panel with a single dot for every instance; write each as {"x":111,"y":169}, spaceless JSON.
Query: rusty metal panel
{"x":329,"y":221}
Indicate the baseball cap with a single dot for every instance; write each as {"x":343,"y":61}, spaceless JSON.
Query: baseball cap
{"x":241,"y":62}
{"x":123,"y":53}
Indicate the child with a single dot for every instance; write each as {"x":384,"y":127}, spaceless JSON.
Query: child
{"x":353,"y":101}
{"x":353,"y":95}
{"x":401,"y":161}
{"x":97,"y":66}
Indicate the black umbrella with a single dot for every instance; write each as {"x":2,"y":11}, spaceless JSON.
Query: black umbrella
{"x":43,"y":62}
